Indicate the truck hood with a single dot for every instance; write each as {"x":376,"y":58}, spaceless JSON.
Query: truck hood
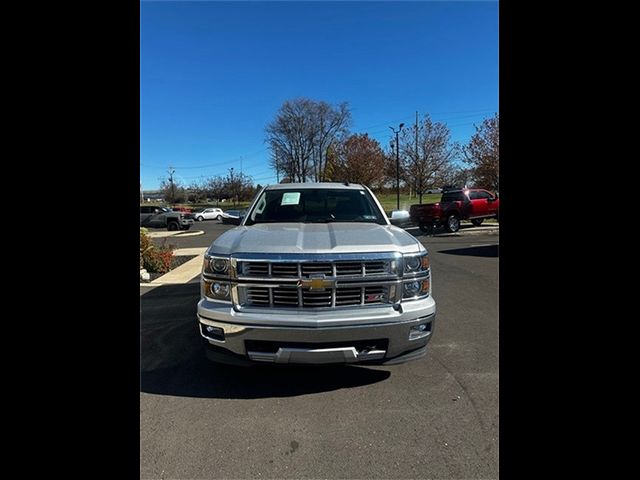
{"x":315,"y":238}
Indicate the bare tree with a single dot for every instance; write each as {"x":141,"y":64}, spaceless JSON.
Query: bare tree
{"x":434,"y":154}
{"x":216,"y":188}
{"x":361,"y":160}
{"x":483,"y":154}
{"x":172,"y":190}
{"x":239,"y":185}
{"x":301,"y":135}
{"x":331,"y":126}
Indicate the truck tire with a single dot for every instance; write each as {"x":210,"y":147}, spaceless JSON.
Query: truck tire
{"x":173,"y":226}
{"x":477,"y":222}
{"x":426,"y":228}
{"x":453,"y":223}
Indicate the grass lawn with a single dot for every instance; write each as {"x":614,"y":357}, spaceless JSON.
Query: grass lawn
{"x":389,"y":201}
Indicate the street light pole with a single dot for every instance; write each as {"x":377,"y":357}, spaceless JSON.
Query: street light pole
{"x":397,"y":164}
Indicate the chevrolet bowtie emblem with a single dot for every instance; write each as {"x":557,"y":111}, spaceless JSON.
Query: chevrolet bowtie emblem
{"x":316,"y":282}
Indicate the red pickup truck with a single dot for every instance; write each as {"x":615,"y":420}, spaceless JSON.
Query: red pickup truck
{"x":472,"y":204}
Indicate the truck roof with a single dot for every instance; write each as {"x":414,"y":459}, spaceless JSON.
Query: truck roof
{"x":334,"y":185}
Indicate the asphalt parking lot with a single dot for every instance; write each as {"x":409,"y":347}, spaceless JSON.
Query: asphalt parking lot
{"x":436,"y":417}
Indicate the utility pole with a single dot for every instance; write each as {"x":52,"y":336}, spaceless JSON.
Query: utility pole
{"x":233,"y":186}
{"x":172,"y":188}
{"x":397,"y":132}
{"x":420,"y":186}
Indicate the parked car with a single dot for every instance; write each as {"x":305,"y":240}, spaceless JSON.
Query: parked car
{"x":233,"y":217}
{"x":316,"y":274}
{"x":473,"y":204}
{"x":163,"y":217}
{"x":209,"y":214}
{"x":434,"y":190}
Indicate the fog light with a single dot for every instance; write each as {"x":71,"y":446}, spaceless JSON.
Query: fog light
{"x":420,"y":331}
{"x":215,"y":333}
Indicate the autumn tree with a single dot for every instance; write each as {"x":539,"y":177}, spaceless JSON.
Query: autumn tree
{"x":426,"y":152}
{"x":482,"y":154}
{"x":360,"y":160}
{"x":301,"y":136}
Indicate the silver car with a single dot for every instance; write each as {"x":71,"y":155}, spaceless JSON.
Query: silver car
{"x":209,"y":214}
{"x":316,"y":274}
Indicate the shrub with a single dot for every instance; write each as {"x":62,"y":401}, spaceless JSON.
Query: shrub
{"x":154,"y":259}
{"x":158,"y":259}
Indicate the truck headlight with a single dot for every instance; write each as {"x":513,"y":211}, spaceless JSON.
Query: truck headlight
{"x":220,"y":289}
{"x":216,"y":265}
{"x":219,"y":265}
{"x":216,"y":290}
{"x":417,"y":288}
{"x":416,"y":263}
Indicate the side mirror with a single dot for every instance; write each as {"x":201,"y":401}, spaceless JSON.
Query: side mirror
{"x":399,"y":217}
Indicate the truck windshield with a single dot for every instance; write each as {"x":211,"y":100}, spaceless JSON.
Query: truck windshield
{"x":315,"y":205}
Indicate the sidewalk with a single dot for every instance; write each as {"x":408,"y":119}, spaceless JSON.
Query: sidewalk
{"x":188,"y":272}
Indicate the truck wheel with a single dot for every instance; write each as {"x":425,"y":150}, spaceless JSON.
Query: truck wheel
{"x":453,"y":223}
{"x":200,"y":218}
{"x":477,"y":222}
{"x":426,"y":228}
{"x":173,"y":226}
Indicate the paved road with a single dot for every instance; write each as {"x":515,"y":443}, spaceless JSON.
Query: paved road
{"x":433,"y":418}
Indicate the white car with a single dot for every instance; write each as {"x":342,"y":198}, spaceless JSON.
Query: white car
{"x":209,"y":214}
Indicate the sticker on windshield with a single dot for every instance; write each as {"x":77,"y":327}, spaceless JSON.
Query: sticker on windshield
{"x":290,"y":198}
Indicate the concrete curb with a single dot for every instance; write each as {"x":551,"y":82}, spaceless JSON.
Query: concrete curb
{"x":180,"y":233}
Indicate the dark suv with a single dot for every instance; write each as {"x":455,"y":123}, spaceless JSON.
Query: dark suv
{"x":163,"y":217}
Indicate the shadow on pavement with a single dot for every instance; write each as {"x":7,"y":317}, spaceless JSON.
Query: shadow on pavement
{"x":173,"y":361}
{"x":482,"y":251}
{"x":442,"y":232}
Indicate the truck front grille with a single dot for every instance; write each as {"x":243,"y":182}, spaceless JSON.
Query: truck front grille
{"x":295,"y":269}
{"x":306,"y":298}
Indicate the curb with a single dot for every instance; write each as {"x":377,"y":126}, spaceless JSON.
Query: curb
{"x":178,"y":233}
{"x":189,"y":234}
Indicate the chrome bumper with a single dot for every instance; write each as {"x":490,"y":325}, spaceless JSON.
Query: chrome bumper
{"x":317,"y":331}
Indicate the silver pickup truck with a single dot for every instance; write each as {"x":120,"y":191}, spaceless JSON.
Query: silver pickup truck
{"x":315,"y":274}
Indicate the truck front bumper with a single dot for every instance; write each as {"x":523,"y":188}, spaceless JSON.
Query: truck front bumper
{"x":381,"y":334}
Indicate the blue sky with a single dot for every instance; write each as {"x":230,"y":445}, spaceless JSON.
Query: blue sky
{"x":213,"y":74}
